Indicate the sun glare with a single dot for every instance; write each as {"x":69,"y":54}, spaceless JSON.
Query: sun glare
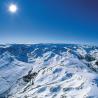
{"x":13,"y":8}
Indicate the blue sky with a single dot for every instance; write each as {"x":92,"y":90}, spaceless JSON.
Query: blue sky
{"x":47,"y":21}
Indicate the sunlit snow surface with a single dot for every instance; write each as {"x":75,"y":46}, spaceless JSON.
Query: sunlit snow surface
{"x":48,"y":71}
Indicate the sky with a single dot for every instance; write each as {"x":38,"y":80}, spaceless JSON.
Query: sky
{"x":49,"y":21}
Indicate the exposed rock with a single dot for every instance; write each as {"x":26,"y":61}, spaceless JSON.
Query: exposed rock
{"x":29,"y":77}
{"x":89,"y":58}
{"x":96,"y":63}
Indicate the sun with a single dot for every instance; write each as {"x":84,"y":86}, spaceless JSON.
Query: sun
{"x":13,"y":8}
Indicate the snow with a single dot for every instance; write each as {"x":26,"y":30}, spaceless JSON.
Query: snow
{"x":60,"y":73}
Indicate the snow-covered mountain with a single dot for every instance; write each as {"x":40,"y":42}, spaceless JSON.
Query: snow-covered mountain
{"x":48,"y":71}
